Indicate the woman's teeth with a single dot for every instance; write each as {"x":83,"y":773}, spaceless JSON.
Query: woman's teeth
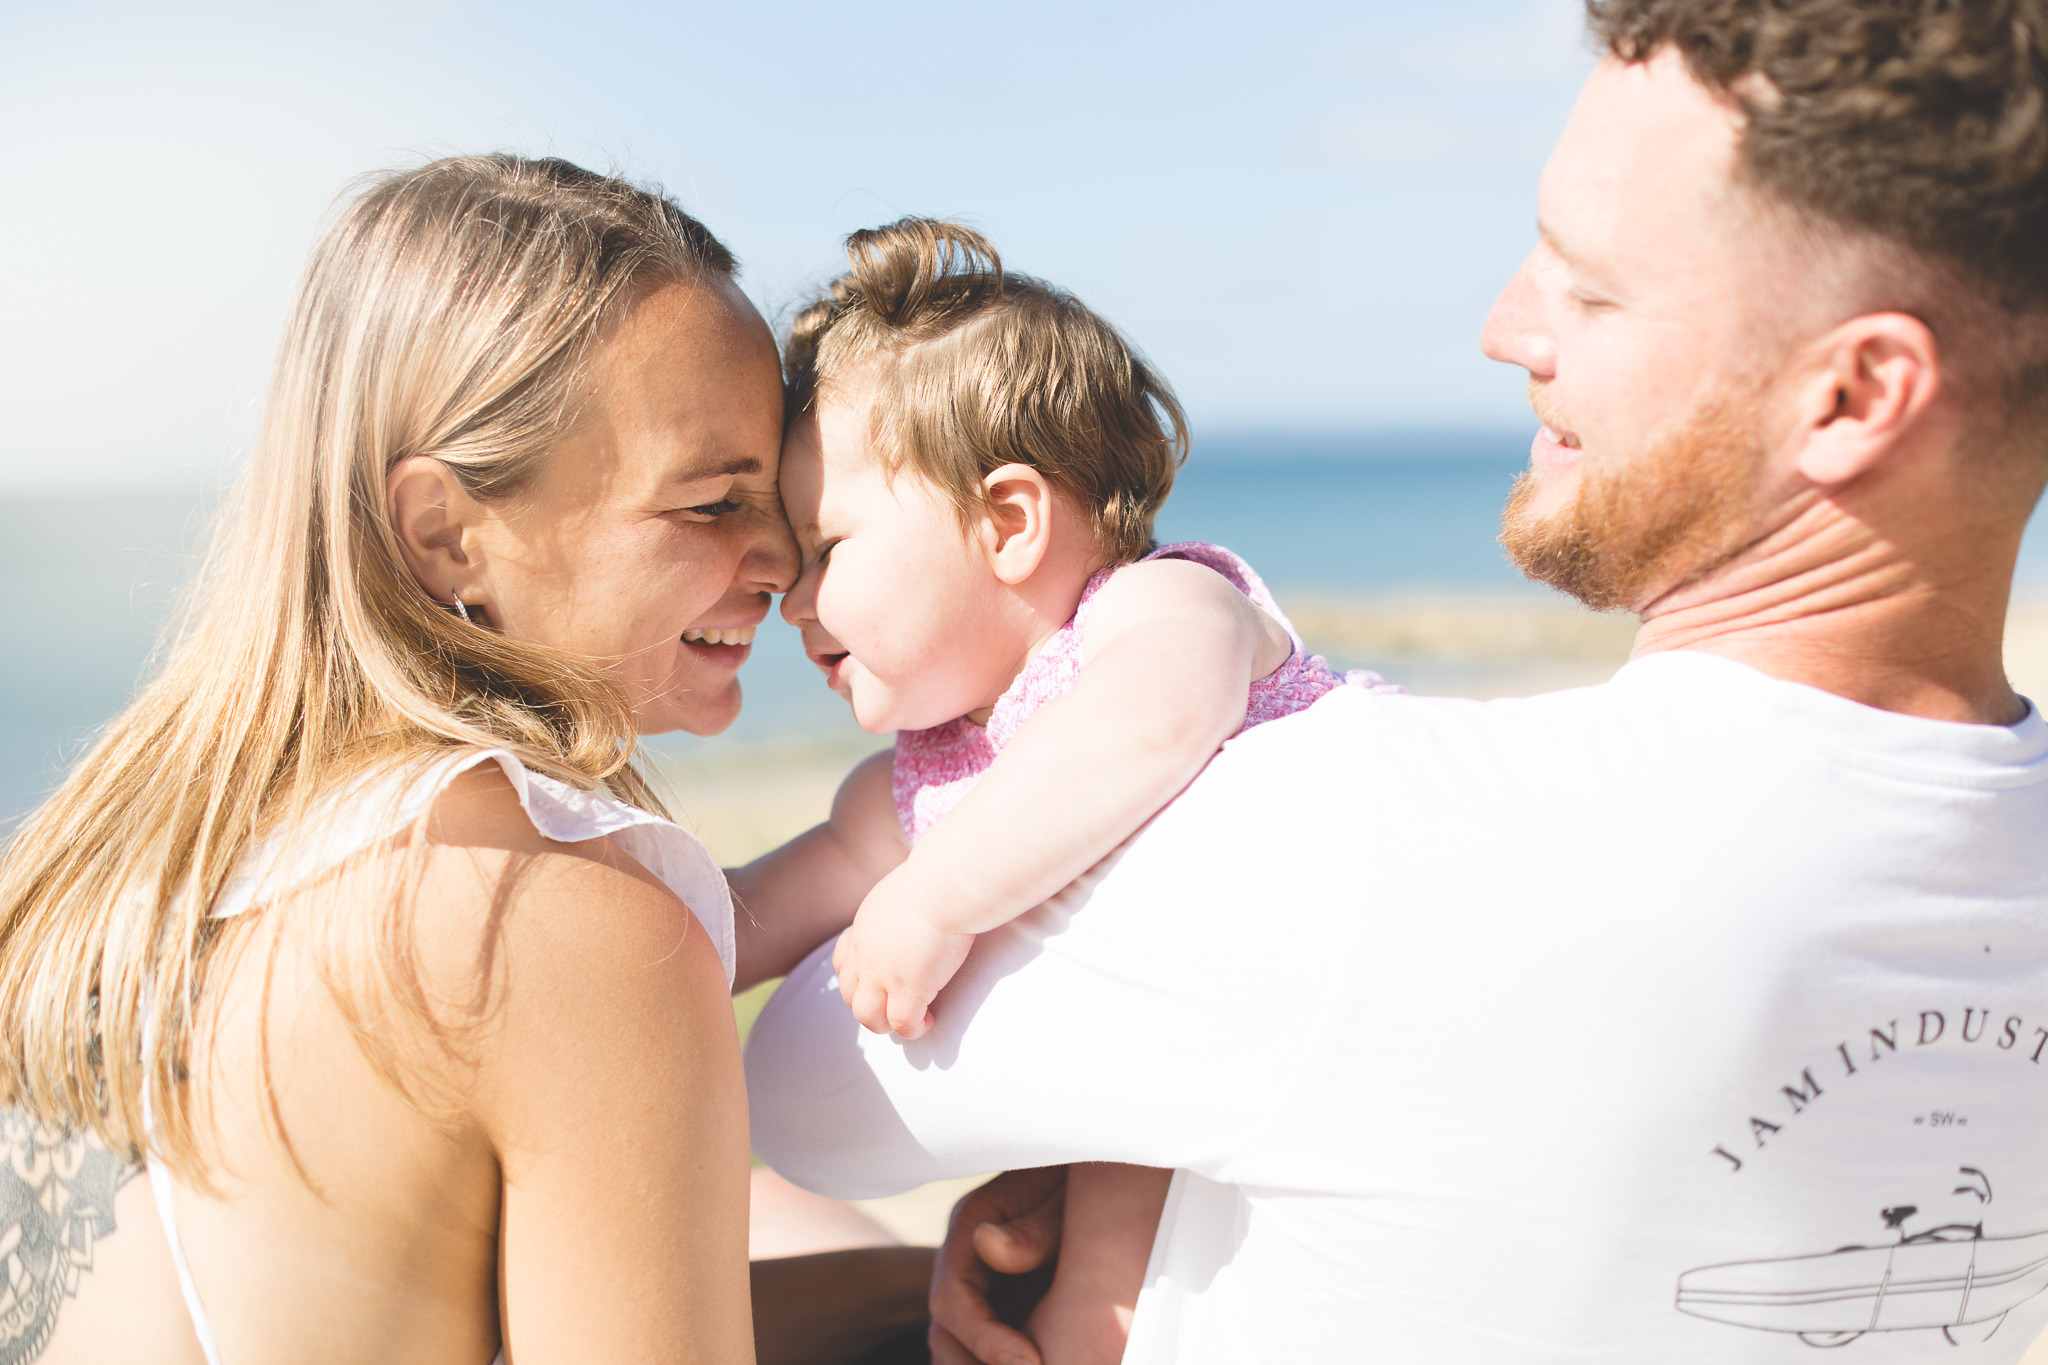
{"x":736,"y":635}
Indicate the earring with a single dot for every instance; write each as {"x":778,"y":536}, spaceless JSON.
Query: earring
{"x":460,"y":610}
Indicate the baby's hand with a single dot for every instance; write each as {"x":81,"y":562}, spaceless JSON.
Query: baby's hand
{"x":894,"y":960}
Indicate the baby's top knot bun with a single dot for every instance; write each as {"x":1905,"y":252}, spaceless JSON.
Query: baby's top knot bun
{"x":912,"y":280}
{"x":922,"y":273}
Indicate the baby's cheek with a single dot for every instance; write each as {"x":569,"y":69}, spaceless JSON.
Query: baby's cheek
{"x":873,"y":706}
{"x":849,"y":626}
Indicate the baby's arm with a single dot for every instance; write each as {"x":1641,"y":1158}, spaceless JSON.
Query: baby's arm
{"x":789,"y":900}
{"x":1171,"y":650}
{"x":1111,"y":1218}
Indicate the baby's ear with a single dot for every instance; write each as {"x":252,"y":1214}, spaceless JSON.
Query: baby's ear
{"x":1016,"y":529}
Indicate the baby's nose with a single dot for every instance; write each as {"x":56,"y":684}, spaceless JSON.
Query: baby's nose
{"x":800,"y":604}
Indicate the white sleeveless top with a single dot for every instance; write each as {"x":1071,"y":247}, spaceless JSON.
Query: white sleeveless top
{"x":387,"y":804}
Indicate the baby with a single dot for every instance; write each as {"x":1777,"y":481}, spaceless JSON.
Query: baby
{"x":972,"y":467}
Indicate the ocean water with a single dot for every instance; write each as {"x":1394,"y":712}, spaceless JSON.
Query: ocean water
{"x":86,"y":583}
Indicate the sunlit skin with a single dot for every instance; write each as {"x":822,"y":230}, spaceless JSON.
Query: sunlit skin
{"x":654,"y":518}
{"x":1878,"y":562}
{"x":907,"y":660}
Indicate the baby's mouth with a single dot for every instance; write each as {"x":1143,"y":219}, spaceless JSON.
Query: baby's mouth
{"x":729,"y":635}
{"x":829,"y":662}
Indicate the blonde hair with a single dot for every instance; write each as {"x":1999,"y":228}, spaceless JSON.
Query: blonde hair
{"x":985,"y":368}
{"x":445,"y":313}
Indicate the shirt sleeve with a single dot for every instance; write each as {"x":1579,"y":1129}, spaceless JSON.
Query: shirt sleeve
{"x":1139,"y":1016}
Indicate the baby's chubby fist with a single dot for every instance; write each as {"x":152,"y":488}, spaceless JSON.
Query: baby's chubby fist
{"x":895,"y":958}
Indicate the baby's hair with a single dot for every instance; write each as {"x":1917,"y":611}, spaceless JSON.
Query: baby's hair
{"x":982,"y":368}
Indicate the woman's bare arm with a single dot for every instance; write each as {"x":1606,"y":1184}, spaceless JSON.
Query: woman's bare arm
{"x":790,"y":900}
{"x":609,"y":1086}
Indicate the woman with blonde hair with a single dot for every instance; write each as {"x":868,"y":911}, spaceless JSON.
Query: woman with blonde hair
{"x":359,"y":1004}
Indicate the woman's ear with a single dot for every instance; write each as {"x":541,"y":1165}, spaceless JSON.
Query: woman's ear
{"x":1876,"y":377}
{"x":435,"y":521}
{"x":1016,"y":528}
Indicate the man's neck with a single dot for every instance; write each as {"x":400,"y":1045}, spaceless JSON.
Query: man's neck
{"x":1829,"y":601}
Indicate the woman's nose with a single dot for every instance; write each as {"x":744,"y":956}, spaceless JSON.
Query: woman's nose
{"x":773,"y":562}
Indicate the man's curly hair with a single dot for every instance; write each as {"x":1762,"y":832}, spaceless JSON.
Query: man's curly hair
{"x":1922,"y":123}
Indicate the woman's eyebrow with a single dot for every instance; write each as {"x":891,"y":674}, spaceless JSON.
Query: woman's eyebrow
{"x":745,"y":465}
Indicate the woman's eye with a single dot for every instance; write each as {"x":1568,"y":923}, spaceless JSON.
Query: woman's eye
{"x":715,"y":509}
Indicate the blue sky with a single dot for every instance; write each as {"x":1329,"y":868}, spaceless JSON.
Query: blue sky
{"x":1300,"y":210}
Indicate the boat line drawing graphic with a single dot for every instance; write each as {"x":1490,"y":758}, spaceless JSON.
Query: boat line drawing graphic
{"x":1947,"y":1279}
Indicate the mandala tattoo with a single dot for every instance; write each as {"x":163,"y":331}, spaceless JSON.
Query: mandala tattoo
{"x":56,"y":1202}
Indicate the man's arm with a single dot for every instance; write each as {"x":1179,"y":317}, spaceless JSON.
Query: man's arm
{"x":1138,"y":1016}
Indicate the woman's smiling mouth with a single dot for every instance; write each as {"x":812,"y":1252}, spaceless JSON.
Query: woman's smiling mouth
{"x":720,"y":646}
{"x":729,"y":635}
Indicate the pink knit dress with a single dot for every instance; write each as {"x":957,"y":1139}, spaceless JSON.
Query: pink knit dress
{"x":936,"y":768}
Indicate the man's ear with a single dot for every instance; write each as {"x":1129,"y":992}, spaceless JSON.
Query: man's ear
{"x":1016,"y":528}
{"x":1875,"y":378}
{"x":435,"y":521}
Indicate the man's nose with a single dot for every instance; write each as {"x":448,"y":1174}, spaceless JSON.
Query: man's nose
{"x":1516,"y":330}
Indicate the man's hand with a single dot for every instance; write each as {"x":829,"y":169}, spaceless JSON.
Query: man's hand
{"x":1009,"y":1226}
{"x":894,"y":960}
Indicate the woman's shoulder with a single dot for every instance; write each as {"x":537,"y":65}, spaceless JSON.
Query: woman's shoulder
{"x":510,"y":831}
{"x":488,"y":825}
{"x":488,"y":867}
{"x":485,"y":807}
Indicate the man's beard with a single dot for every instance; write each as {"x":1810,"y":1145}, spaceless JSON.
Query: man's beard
{"x":1634,"y":532}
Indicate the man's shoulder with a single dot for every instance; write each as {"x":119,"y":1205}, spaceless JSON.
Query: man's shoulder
{"x":1675,"y":726}
{"x":1382,"y":760}
{"x":1352,"y":722}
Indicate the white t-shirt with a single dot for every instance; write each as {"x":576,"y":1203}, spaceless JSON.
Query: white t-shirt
{"x":1696,"y":1017}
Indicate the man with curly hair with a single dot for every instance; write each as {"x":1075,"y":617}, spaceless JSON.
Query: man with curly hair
{"x":1697,"y":1017}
